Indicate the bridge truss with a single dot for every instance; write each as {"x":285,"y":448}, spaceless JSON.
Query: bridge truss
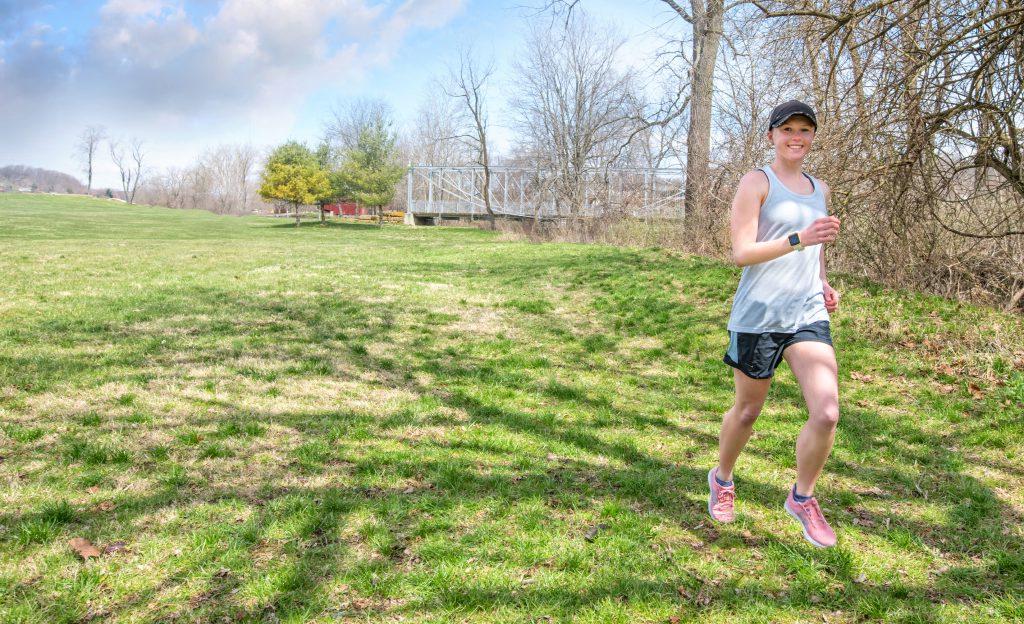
{"x":522,"y":193}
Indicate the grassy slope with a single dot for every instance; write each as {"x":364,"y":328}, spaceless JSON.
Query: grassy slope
{"x":353,"y":424}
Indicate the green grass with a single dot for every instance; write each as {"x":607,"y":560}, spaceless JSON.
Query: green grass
{"x":346,"y":423}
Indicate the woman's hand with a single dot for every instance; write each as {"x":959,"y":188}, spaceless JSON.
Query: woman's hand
{"x":823,"y":230}
{"x":831,"y":297}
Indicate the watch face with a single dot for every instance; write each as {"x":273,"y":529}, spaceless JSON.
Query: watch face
{"x":794,"y":239}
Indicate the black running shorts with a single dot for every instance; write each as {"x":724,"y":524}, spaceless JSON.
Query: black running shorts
{"x":757,"y":355}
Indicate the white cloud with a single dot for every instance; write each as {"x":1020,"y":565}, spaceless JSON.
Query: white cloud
{"x":149,"y":68}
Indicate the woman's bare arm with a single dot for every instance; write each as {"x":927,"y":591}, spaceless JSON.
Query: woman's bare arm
{"x":746,"y":210}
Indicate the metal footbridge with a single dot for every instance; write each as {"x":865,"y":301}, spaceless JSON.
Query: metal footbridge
{"x":434,"y":193}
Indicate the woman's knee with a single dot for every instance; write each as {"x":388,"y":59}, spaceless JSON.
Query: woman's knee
{"x":826,"y":416}
{"x":746,"y":413}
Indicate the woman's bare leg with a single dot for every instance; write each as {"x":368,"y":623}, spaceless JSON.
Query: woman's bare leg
{"x":815,"y":368}
{"x":738,"y":422}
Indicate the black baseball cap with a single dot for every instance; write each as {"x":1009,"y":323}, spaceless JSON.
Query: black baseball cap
{"x":784,"y":111}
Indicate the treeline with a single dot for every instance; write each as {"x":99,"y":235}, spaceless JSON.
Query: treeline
{"x":224,"y":180}
{"x":16,"y":177}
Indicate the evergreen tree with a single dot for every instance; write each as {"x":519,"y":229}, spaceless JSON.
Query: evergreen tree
{"x":369,"y":172}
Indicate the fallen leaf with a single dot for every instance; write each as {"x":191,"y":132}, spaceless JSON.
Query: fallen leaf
{"x":106,"y":506}
{"x":861,"y":376}
{"x":591,"y":533}
{"x":861,"y":578}
{"x":92,"y":489}
{"x":409,"y":490}
{"x":83,"y":547}
{"x":975,"y":391}
{"x":114,"y":547}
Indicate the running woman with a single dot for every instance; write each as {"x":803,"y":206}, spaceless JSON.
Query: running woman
{"x":781,"y":311}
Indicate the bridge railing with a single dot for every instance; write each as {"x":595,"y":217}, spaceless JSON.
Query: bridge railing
{"x":526,"y":193}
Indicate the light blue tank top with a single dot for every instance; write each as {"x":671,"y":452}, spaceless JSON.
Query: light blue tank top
{"x":784,"y":294}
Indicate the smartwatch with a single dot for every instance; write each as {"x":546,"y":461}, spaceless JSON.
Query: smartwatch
{"x":794,"y":241}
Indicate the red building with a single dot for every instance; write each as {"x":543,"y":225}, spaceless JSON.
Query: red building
{"x":350,"y":209}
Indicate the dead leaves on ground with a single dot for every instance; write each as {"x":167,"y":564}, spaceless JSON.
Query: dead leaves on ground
{"x":975,"y":391}
{"x":592,"y":532}
{"x":701,"y":597}
{"x":945,"y":370}
{"x":87,"y":550}
{"x":114,"y":547}
{"x":84,"y":548}
{"x":862,"y":377}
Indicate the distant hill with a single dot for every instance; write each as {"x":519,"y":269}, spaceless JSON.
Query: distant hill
{"x":15,"y":177}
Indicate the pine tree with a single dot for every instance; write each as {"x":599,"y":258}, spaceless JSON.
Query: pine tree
{"x":369,"y":172}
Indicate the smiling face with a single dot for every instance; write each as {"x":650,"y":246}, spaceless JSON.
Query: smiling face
{"x":792,"y":139}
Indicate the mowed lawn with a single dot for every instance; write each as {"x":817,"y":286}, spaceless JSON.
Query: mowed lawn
{"x":262,"y":423}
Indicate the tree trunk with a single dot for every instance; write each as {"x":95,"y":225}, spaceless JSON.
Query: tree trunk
{"x":707,"y":34}
{"x":1015,"y":298}
{"x":486,"y":162}
{"x":487,"y":188}
{"x":297,"y":215}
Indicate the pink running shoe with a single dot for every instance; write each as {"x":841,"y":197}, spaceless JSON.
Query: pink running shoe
{"x":720,"y":501}
{"x":816,"y":528}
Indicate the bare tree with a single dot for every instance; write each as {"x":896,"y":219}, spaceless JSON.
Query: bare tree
{"x":467,"y":83}
{"x":169,"y":189}
{"x":705,"y":19}
{"x":433,"y":139}
{"x":574,"y":105}
{"x":350,"y":119}
{"x":129,"y":164}
{"x":243,"y":170}
{"x":227,"y":172}
{"x":86,"y":148}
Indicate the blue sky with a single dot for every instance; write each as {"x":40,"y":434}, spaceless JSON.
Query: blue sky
{"x":185,"y":75}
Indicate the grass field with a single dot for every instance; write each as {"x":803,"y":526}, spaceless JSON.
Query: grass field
{"x":262,"y":423}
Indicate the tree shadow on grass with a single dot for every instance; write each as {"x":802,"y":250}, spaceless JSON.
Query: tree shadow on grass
{"x":355,"y":226}
{"x":315,"y":564}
